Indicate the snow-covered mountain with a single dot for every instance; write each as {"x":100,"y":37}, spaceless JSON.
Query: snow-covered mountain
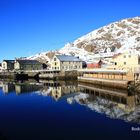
{"x":114,"y":38}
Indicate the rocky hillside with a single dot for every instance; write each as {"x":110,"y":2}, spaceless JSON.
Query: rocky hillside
{"x":106,"y":41}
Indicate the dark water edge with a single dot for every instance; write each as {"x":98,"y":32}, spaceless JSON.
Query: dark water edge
{"x":32,"y":115}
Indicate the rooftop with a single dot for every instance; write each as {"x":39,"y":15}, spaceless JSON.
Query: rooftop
{"x":28,"y":61}
{"x":68,"y":58}
{"x":9,"y":61}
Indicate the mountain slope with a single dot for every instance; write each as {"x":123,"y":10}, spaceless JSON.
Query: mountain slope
{"x":106,"y":41}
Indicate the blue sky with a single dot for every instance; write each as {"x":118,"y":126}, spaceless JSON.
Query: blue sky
{"x":28,"y":27}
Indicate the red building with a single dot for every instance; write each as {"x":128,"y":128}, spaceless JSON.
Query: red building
{"x":96,"y":64}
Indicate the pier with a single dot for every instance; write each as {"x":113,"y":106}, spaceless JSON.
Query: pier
{"x":13,"y":75}
{"x":40,"y":74}
{"x":58,"y":75}
{"x":111,"y":78}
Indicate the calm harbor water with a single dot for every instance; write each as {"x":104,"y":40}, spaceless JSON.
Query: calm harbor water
{"x":48,"y":110}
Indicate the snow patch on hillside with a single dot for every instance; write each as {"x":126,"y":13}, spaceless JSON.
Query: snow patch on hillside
{"x":107,"y":41}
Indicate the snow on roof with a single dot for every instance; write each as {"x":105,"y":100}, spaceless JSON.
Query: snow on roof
{"x":94,"y":61}
{"x":68,"y":58}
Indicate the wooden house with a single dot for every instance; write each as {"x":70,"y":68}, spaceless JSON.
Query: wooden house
{"x":28,"y":65}
{"x":8,"y":64}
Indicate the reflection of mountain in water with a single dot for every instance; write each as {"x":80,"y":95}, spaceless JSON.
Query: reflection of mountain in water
{"x":117,"y":105}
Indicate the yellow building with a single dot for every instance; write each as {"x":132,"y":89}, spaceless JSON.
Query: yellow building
{"x":66,"y":62}
{"x":126,"y":60}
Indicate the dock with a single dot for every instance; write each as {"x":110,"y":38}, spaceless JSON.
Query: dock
{"x":58,"y":75}
{"x":111,"y":78}
{"x":105,"y":82}
{"x":40,"y":74}
{"x":13,"y":75}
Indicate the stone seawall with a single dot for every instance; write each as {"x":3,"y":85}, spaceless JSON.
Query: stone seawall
{"x":105,"y":82}
{"x":12,"y":75}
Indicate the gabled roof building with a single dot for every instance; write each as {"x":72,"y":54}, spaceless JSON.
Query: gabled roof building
{"x":8,"y":64}
{"x":66,"y":62}
{"x":27,"y":65}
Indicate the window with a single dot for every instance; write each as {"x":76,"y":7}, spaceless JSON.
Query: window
{"x":124,"y":56}
{"x":139,"y":61}
{"x":129,"y":56}
{"x":124,"y":63}
{"x":115,"y":63}
{"x":55,"y":63}
{"x":4,"y":66}
{"x":54,"y":59}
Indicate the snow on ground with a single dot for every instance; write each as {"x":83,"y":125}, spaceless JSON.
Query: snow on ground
{"x":124,"y":35}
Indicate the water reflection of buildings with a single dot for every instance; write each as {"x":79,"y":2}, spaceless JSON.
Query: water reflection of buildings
{"x":114,"y":103}
{"x":8,"y":87}
{"x":19,"y":88}
{"x":59,"y":89}
{"x":56,"y":89}
{"x":123,"y":98}
{"x":1,"y":84}
{"x":27,"y":88}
